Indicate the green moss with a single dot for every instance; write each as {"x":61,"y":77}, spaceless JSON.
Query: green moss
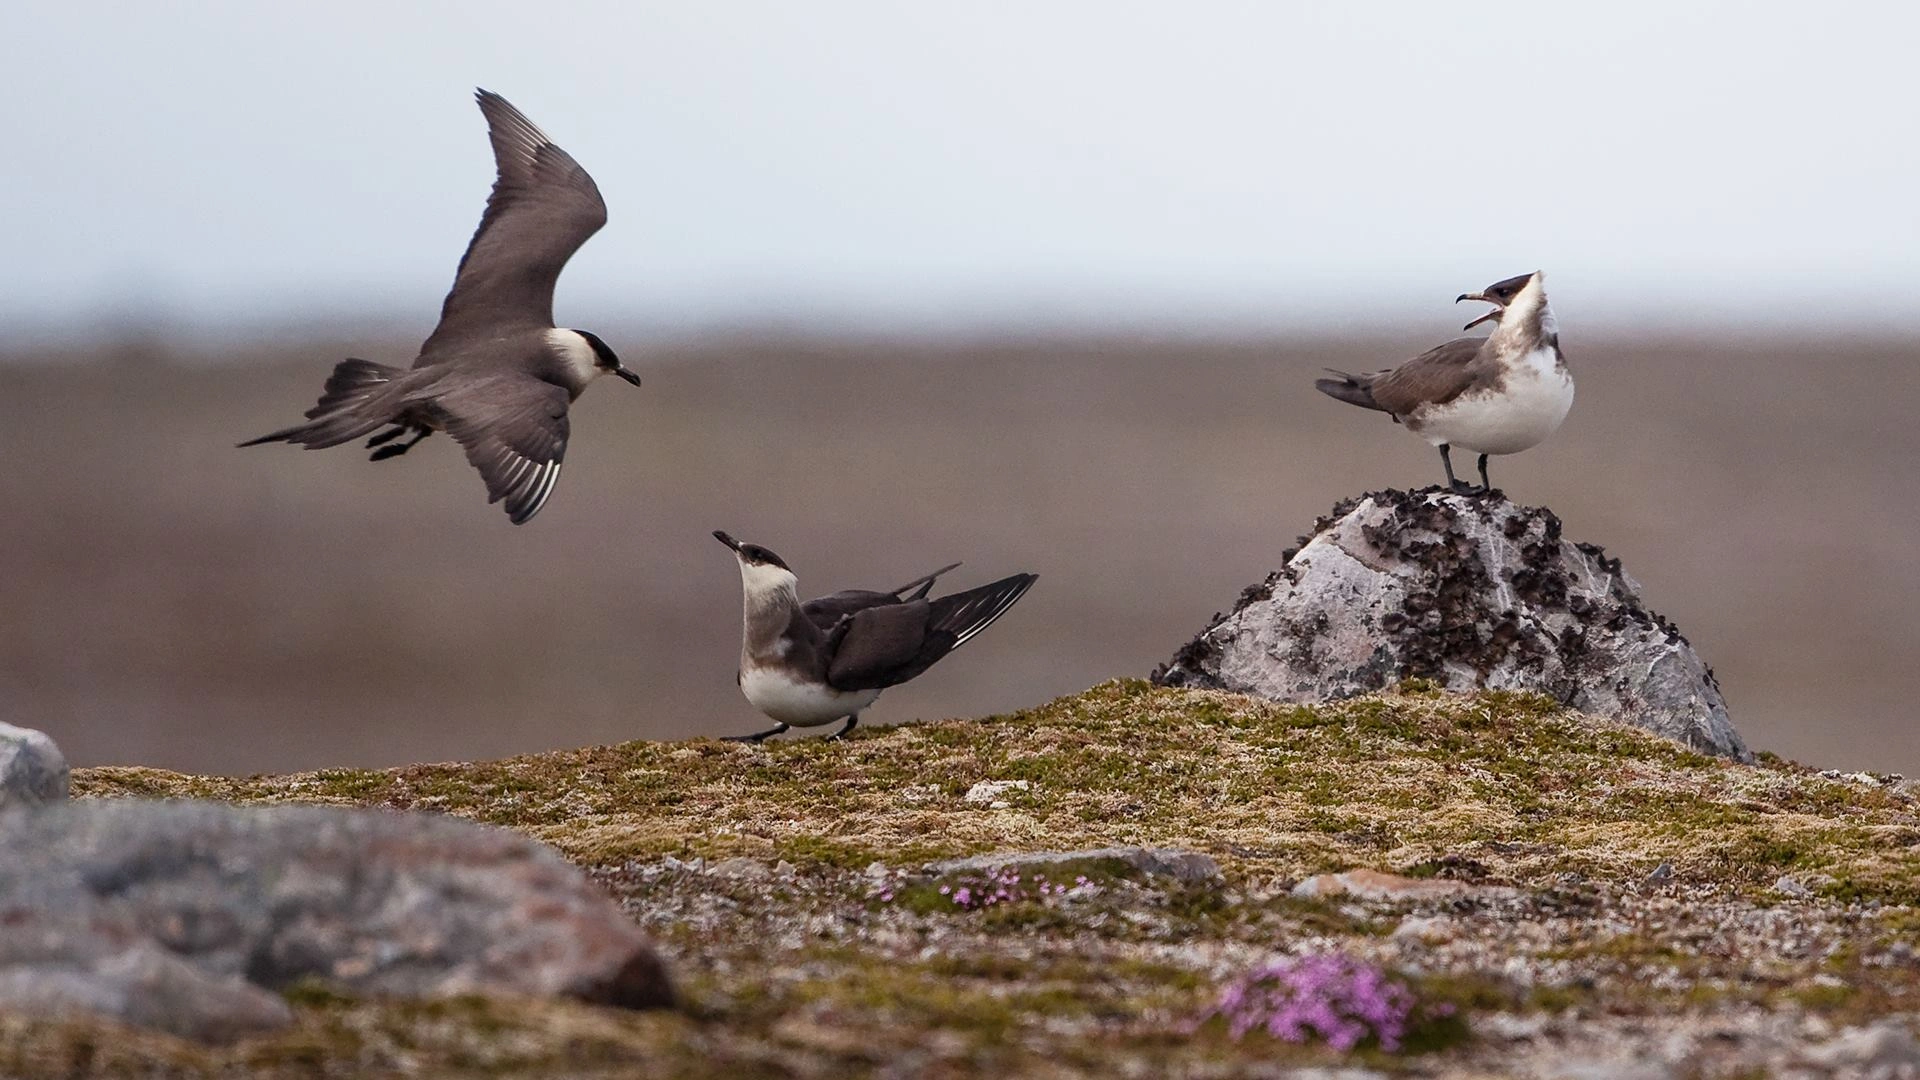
{"x":1271,"y":790}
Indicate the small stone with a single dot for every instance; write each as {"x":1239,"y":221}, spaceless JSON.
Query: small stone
{"x":1513,"y":1027}
{"x":1431,"y":929}
{"x":1364,"y":884}
{"x":988,"y":793}
{"x":1660,"y":876}
{"x":1787,"y":886}
{"x":1612,"y":1069}
{"x":739,"y":869}
{"x":33,"y":771}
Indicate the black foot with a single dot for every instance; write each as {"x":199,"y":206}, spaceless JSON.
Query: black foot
{"x":386,"y":436}
{"x":756,"y":738}
{"x":396,"y":449}
{"x":1461,"y":487}
{"x":842,"y":733}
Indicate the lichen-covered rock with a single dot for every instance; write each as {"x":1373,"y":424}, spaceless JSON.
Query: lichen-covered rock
{"x":1466,"y":591}
{"x":107,"y":904}
{"x":33,"y":772}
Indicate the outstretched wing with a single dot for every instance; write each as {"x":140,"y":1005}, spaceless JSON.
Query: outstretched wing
{"x":887,"y":645}
{"x":1436,"y":376}
{"x":543,"y":207}
{"x":514,"y":430}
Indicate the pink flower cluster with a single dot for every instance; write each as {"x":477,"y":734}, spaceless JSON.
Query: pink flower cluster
{"x":1006,"y":886}
{"x":1335,"y":998}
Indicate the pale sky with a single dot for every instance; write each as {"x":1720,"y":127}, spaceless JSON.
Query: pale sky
{"x":920,"y":164}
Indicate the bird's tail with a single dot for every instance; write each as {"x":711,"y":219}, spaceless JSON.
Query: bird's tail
{"x":959,"y":616}
{"x":923,"y":584}
{"x":1352,"y":389}
{"x":342,"y":413}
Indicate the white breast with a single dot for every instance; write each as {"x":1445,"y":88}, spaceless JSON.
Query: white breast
{"x":1528,"y":407}
{"x":798,"y":703}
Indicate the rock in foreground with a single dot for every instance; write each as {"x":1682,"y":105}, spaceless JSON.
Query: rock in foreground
{"x":188,"y":916}
{"x":1472,"y":592}
{"x":33,"y":772}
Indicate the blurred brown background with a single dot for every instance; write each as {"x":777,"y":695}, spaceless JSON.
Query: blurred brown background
{"x":168,"y":599}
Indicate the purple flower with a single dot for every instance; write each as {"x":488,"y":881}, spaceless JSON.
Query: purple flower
{"x":1335,"y":998}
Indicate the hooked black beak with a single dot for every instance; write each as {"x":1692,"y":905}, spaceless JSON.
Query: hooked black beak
{"x":727,"y":540}
{"x":1498,"y":307}
{"x":627,"y":375}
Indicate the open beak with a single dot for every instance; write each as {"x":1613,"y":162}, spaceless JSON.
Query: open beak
{"x":1498,"y":307}
{"x":727,"y":540}
{"x":627,"y":375}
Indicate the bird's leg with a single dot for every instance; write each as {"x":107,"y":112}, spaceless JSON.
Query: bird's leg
{"x":388,"y":435}
{"x":1446,"y":459}
{"x":397,"y":449}
{"x":1485,"y":484}
{"x":842,"y":733}
{"x":757,"y":737}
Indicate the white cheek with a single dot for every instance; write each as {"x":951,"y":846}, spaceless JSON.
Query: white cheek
{"x":763,"y":578}
{"x":576,"y":353}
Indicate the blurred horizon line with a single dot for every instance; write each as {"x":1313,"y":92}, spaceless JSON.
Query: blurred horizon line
{"x":963,"y":318}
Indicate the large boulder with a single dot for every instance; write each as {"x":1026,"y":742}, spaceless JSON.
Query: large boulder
{"x":1469,"y":591}
{"x":188,"y":916}
{"x":33,"y":772}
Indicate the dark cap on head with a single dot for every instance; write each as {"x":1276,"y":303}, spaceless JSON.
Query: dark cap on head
{"x":1499,"y":294}
{"x":752,"y":553}
{"x":603,"y":355}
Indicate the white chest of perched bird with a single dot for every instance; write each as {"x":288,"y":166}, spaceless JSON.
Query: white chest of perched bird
{"x":799,"y":702}
{"x":1515,"y":412}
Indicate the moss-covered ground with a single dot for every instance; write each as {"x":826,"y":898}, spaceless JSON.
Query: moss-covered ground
{"x":1617,"y":884}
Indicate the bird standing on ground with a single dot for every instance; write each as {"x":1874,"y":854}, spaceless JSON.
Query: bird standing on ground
{"x":808,"y":664}
{"x":496,"y":374}
{"x":1495,"y":395}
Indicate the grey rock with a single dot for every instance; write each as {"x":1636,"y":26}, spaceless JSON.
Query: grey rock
{"x":33,"y":771}
{"x":1613,"y":1069}
{"x":1884,"y":1049}
{"x":186,"y":915}
{"x":1787,"y":886}
{"x":1471,"y":592}
{"x":1189,"y":866}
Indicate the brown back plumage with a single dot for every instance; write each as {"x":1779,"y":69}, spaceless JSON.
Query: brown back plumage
{"x":1435,"y":377}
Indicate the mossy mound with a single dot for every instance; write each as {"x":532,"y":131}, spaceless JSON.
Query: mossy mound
{"x":753,"y":869}
{"x":1509,"y":784}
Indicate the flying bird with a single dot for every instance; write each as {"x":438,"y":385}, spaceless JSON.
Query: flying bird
{"x":1500,"y":394}
{"x":808,"y":664}
{"x":495,"y":374}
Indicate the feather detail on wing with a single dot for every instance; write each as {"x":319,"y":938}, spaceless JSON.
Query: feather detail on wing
{"x":889,"y":644}
{"x":514,"y":430}
{"x":543,"y":207}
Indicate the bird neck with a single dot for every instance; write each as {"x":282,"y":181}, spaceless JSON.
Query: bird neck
{"x":769,"y":597}
{"x":575,"y":363}
{"x":1528,"y":323}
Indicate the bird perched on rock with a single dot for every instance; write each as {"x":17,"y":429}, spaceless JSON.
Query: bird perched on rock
{"x":496,"y":374}
{"x":1500,"y":394}
{"x":808,"y":664}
